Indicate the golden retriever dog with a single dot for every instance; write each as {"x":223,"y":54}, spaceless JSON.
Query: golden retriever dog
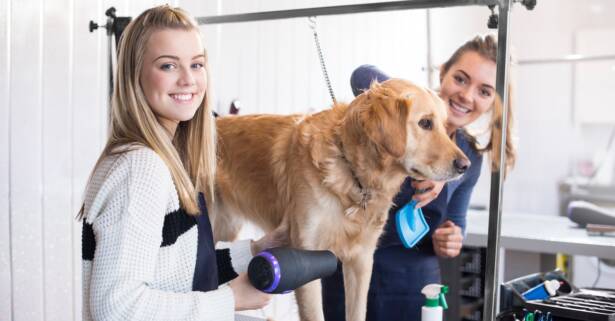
{"x":329,"y":178}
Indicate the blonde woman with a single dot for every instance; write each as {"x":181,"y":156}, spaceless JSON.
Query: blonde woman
{"x":148,"y":251}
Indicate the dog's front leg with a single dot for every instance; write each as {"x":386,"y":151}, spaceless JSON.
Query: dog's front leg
{"x":309,"y":300}
{"x":357,"y":275}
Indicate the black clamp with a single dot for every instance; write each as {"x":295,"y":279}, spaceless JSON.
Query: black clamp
{"x":492,"y":23}
{"x":115,"y":25}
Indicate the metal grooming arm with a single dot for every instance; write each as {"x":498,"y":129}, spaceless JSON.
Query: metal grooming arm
{"x":355,"y":8}
{"x":504,"y":7}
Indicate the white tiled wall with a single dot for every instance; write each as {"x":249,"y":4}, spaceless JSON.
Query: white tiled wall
{"x":53,"y":77}
{"x":273,"y":66}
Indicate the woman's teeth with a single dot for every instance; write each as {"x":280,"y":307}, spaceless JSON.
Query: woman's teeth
{"x":459,"y":108}
{"x":182,"y":97}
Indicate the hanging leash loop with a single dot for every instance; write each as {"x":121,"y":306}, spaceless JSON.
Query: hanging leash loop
{"x":321,"y":58}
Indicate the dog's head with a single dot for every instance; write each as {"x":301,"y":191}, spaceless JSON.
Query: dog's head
{"x":405,"y":122}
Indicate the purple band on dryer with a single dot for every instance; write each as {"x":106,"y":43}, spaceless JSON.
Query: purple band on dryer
{"x":276,"y":270}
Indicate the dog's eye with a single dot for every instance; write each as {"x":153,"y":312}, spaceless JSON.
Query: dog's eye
{"x":426,"y":124}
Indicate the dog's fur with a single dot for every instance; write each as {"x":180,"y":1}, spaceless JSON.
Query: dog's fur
{"x":329,"y":178}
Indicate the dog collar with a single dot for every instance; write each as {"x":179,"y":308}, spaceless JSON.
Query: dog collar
{"x":366,"y":194}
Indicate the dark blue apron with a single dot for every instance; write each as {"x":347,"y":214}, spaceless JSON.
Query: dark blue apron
{"x":206,"y":269}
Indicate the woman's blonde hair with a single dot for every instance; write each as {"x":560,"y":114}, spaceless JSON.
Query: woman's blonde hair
{"x":191,"y":154}
{"x":487,"y":47}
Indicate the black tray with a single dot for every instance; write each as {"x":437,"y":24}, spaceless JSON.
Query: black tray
{"x":570,"y":303}
{"x":586,"y":304}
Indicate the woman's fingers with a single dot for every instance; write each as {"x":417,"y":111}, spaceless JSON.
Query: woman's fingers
{"x":426,"y":191}
{"x":448,"y":233}
{"x":423,"y":185}
{"x":450,"y":245}
{"x":246,"y":296}
{"x":424,"y":198}
{"x":448,"y":252}
{"x":447,"y":240}
{"x":275,"y":238}
{"x":446,"y":230}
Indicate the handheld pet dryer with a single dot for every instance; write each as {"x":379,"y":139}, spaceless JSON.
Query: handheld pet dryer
{"x":282,"y":269}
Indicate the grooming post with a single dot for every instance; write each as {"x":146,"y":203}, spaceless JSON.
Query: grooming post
{"x":497,"y":178}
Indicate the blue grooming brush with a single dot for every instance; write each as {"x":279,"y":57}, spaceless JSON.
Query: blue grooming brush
{"x":411,"y":224}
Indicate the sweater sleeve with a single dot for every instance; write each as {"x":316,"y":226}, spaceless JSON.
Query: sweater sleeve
{"x":128,"y":233}
{"x":226,"y":272}
{"x":240,"y":254}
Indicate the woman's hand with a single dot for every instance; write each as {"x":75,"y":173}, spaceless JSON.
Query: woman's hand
{"x":426,"y":191}
{"x":275,"y":238}
{"x":246,"y":296}
{"x":447,"y":240}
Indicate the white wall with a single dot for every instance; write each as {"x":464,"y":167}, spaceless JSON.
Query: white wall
{"x":273,"y":67}
{"x":544,"y":109}
{"x":5,"y":245}
{"x":52,"y":128}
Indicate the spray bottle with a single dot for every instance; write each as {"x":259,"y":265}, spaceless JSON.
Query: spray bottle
{"x":435,"y":303}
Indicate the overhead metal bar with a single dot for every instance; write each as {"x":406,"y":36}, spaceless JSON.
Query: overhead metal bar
{"x":568,"y":58}
{"x":343,"y":9}
{"x":497,"y":177}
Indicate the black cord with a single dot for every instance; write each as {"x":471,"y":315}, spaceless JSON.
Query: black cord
{"x":599,"y":272}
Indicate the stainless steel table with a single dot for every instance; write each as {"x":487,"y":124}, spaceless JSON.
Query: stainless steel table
{"x":540,"y":234}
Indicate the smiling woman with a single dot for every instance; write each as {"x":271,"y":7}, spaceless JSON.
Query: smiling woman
{"x":174,"y":78}
{"x":148,"y":251}
{"x":469,"y":89}
{"x":467,"y":82}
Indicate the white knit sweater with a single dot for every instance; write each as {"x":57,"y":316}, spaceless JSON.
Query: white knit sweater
{"x":131,"y":277}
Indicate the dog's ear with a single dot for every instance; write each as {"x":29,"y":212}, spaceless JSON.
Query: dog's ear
{"x":384,"y":121}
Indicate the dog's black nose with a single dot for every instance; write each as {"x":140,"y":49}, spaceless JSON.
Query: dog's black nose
{"x":461,"y":165}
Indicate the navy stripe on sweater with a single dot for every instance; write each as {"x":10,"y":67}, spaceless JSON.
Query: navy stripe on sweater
{"x":175,"y":224}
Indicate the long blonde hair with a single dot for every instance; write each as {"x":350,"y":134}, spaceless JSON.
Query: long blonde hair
{"x":487,"y":47}
{"x":191,"y":154}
